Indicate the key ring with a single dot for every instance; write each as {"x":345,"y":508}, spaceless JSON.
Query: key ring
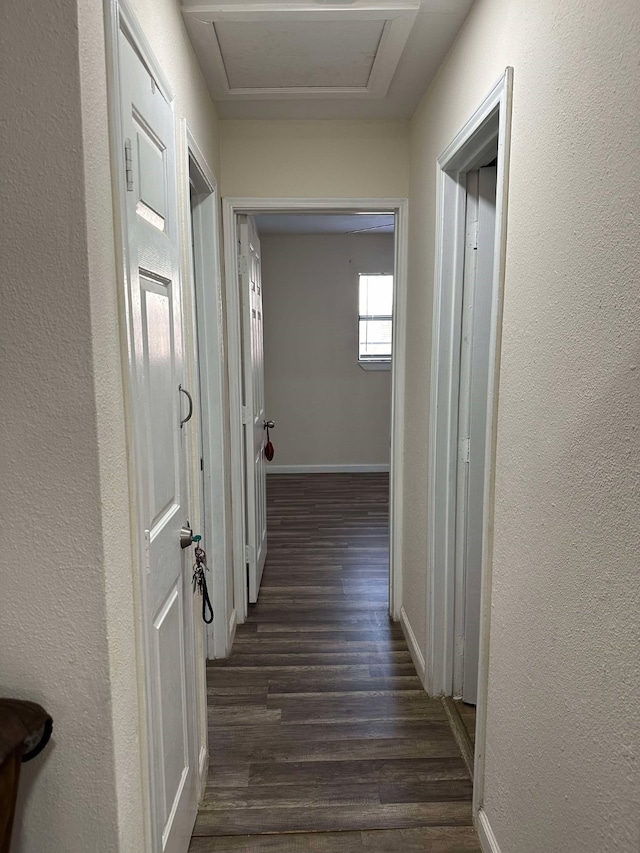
{"x":200,"y":580}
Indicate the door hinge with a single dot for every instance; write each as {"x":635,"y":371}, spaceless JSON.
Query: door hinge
{"x":147,"y":551}
{"x":128,"y":165}
{"x":249,"y":554}
{"x":246,"y":415}
{"x":201,"y":464}
{"x":243,"y":265}
{"x":464,"y":449}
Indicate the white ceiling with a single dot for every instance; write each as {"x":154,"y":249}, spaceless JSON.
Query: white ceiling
{"x":324,"y":223}
{"x":296,"y":54}
{"x":305,"y":59}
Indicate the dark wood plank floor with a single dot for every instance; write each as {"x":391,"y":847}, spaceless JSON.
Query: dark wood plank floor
{"x":468,"y":717}
{"x":321,"y":736}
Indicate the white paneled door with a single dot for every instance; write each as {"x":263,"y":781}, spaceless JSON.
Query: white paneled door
{"x":254,"y":414}
{"x":157,"y":407}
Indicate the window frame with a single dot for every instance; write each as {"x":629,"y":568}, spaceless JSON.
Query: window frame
{"x":375,"y":362}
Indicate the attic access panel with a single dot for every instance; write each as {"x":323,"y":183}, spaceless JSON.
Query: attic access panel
{"x":250,"y":50}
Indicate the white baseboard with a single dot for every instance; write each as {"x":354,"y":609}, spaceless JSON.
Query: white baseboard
{"x":203,"y":770}
{"x":327,"y":469}
{"x":487,"y":838}
{"x":233,"y":624}
{"x":416,"y":655}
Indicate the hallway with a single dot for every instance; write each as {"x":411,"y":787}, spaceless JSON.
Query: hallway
{"x":318,"y":724}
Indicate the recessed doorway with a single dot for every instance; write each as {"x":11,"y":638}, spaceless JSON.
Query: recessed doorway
{"x":238,"y":214}
{"x":469,"y":281}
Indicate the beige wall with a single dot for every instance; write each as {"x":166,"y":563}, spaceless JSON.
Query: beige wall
{"x":67,"y":617}
{"x":563,"y":733}
{"x":316,"y":159}
{"x":327,"y":409}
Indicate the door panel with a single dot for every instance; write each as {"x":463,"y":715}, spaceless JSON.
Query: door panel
{"x":152,"y":181}
{"x":155,"y":353}
{"x":157,"y":341}
{"x":255,"y":416}
{"x":169,"y":651}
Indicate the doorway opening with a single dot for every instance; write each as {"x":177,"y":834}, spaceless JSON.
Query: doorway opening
{"x":328,"y":309}
{"x":316,"y":331}
{"x":244,"y":291}
{"x":209,"y":481}
{"x":469,"y":280}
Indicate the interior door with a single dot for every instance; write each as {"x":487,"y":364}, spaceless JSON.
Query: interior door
{"x":157,"y":407}
{"x":472,"y":412}
{"x":254,"y":415}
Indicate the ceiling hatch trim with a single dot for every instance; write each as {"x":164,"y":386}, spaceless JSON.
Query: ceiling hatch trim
{"x":278,"y":32}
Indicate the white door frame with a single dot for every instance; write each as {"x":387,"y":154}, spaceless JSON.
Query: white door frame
{"x":203,"y":281}
{"x":231,"y":207}
{"x":490,"y":124}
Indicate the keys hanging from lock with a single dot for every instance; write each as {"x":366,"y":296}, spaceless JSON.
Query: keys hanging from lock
{"x":199,"y":568}
{"x":200,"y":582}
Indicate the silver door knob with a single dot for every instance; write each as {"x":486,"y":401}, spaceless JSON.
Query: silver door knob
{"x":186,"y":537}
{"x":269,"y":424}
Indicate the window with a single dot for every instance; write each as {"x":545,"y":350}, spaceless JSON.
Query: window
{"x":375,"y":320}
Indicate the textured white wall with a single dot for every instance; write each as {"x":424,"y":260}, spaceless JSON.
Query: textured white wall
{"x":563,"y":748}
{"x":327,"y":409}
{"x":316,"y":159}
